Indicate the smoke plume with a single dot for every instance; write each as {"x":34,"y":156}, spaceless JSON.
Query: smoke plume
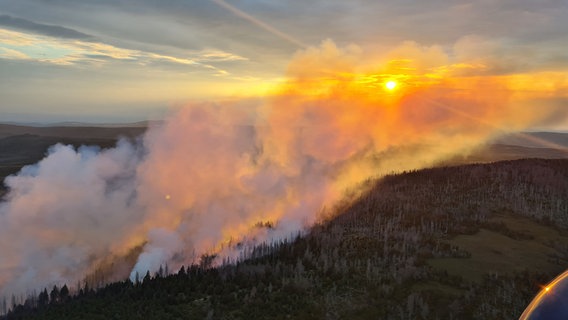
{"x":213,"y":174}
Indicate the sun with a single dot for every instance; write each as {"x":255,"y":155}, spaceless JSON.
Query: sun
{"x":391,"y":85}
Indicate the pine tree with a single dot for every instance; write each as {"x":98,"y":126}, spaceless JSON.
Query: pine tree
{"x":4,"y":306}
{"x":160,"y":272}
{"x":64,"y":293}
{"x":54,"y":295}
{"x":43,"y":298}
{"x":147,"y":277}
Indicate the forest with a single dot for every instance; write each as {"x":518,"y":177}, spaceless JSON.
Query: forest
{"x":390,"y":254}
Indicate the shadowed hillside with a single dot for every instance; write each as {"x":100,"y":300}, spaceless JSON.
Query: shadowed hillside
{"x":466,"y":242}
{"x":535,"y":139}
{"x":24,"y":145}
{"x":72,"y":132}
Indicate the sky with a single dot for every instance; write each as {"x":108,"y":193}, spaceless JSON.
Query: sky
{"x":124,"y":61}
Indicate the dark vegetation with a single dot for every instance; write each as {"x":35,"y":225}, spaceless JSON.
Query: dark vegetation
{"x":500,"y":152}
{"x":389,"y":255}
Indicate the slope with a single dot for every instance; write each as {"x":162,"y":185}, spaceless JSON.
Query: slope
{"x":392,"y":254}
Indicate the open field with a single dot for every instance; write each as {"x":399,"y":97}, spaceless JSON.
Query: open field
{"x":541,"y":248}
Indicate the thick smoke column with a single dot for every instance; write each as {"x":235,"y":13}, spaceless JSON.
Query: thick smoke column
{"x":64,"y":214}
{"x":211,"y":173}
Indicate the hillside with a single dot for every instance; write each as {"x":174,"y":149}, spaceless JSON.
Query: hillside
{"x":544,"y":145}
{"x":535,"y":139}
{"x":72,"y":132}
{"x":24,"y":145}
{"x":418,"y":245}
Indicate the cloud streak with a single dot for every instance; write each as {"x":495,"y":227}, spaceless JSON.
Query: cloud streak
{"x":24,"y":46}
{"x":44,"y":29}
{"x":261,"y":24}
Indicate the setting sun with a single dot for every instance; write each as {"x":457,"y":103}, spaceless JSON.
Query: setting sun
{"x":391,"y":85}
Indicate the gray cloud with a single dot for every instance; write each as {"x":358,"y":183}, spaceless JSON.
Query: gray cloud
{"x":44,"y":29}
{"x":194,"y":25}
{"x":189,"y":24}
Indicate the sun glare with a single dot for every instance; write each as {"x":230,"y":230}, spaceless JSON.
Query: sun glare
{"x":390,"y":85}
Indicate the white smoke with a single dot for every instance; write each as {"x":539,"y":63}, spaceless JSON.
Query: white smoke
{"x":64,"y":214}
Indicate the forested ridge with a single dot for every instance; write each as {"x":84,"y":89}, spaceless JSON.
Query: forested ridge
{"x":373,"y":260}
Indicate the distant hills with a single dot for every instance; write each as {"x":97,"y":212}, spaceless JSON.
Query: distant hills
{"x":82,"y":124}
{"x":543,"y":145}
{"x":535,"y":140}
{"x":110,"y":131}
{"x":75,"y":132}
